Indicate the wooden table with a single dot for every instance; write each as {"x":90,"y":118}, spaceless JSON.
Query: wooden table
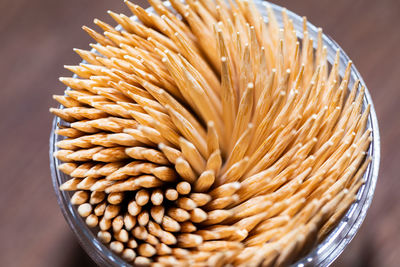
{"x":37,"y":38}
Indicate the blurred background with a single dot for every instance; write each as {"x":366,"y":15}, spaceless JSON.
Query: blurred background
{"x":36,"y":40}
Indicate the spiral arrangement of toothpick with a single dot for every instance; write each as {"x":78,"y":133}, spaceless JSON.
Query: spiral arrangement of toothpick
{"x":202,"y":135}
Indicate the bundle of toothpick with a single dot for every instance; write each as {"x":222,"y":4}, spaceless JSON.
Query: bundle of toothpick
{"x":203,"y":135}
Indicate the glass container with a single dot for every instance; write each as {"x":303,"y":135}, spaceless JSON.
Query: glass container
{"x":323,"y":254}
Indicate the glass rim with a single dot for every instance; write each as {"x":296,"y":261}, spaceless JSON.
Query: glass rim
{"x":321,"y":255}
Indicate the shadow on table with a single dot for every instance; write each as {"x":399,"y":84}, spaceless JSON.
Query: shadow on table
{"x":76,"y":257}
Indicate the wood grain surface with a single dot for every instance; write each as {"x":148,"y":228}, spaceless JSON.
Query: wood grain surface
{"x":36,"y":40}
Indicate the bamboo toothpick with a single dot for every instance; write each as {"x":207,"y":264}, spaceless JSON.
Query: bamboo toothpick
{"x":207,"y":134}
